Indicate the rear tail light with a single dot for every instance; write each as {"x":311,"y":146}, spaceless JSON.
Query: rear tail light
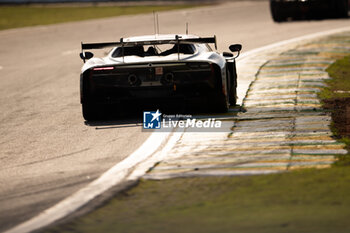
{"x":104,"y":68}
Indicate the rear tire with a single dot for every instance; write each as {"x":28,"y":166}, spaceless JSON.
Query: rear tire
{"x":276,"y":13}
{"x":220,"y":105}
{"x":233,"y":96}
{"x":233,"y":90}
{"x":341,"y":9}
{"x":90,"y":112}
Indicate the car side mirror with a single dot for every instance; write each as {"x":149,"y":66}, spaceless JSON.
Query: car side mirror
{"x":86,"y":55}
{"x":227,"y":54}
{"x":235,"y":47}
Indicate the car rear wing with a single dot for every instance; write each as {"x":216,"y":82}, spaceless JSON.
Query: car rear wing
{"x":177,"y":40}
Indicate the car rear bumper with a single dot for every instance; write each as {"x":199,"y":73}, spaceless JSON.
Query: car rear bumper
{"x":158,"y":94}
{"x":187,"y":81}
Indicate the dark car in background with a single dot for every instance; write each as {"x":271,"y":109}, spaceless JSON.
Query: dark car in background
{"x":282,"y":10}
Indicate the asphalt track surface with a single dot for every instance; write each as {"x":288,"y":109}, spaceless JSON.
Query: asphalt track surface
{"x":47,"y":152}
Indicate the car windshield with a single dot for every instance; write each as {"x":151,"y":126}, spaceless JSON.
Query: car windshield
{"x":154,"y":50}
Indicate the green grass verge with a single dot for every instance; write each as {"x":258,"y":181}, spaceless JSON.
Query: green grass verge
{"x":338,"y":90}
{"x":339,"y":85}
{"x":301,"y":201}
{"x":23,"y":16}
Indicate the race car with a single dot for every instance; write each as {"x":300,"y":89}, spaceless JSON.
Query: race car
{"x":281,"y":10}
{"x":157,"y":68}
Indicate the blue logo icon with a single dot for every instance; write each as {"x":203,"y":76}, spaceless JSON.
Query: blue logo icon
{"x":151,"y":120}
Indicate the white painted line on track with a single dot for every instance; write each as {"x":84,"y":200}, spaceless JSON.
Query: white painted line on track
{"x":159,"y":156}
{"x":142,"y":159}
{"x":112,"y":177}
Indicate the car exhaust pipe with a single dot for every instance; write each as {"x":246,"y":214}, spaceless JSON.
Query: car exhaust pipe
{"x":167,"y":79}
{"x":134,"y":80}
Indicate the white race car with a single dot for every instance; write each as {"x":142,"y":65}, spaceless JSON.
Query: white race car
{"x":158,"y":68}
